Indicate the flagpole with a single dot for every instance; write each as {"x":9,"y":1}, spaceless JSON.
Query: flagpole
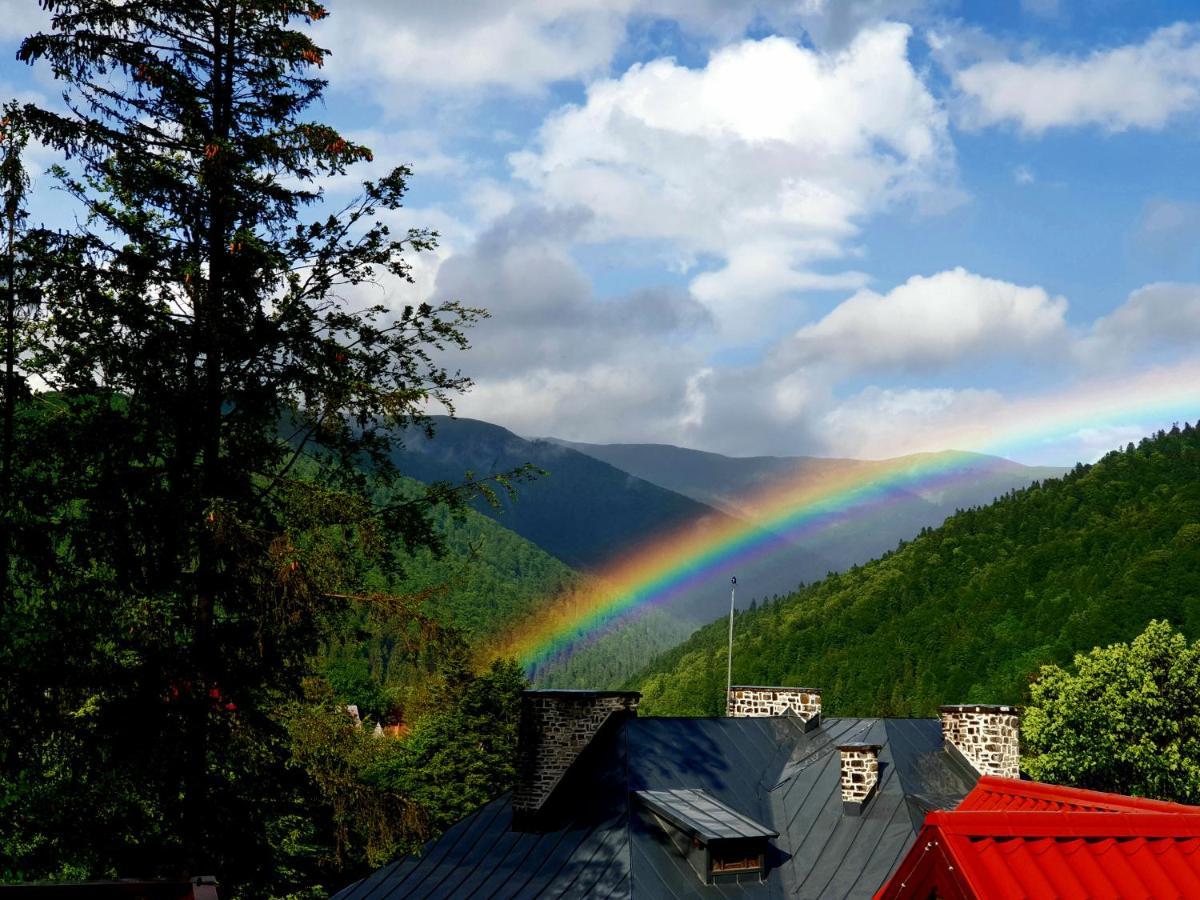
{"x":729,"y":669}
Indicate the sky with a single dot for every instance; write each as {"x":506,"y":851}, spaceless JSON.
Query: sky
{"x":851,"y":228}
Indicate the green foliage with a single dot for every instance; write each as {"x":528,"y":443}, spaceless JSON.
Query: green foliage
{"x":1127,"y":719}
{"x":200,"y":494}
{"x":461,"y":754}
{"x":968,"y":611}
{"x":370,"y":821}
{"x":610,"y":660}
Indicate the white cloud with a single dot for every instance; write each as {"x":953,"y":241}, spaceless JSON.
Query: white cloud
{"x":1133,"y":86}
{"x":1023,"y":175}
{"x":834,"y":23}
{"x":555,"y":358}
{"x":768,"y":159}
{"x":512,"y":45}
{"x":1155,"y":317}
{"x":931,"y":322}
{"x":465,"y":45}
{"x":882,"y":422}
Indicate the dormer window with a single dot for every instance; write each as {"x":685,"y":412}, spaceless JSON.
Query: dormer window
{"x":718,"y":842}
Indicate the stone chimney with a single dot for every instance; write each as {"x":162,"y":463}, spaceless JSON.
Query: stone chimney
{"x":748,"y":701}
{"x":556,"y":726}
{"x":860,"y":775}
{"x":985,"y":737}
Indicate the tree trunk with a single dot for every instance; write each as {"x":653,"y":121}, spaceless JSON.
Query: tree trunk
{"x":10,"y":365}
{"x":209,"y":321}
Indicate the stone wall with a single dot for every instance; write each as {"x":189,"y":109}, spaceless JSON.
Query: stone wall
{"x":555,"y":728}
{"x":860,"y":772}
{"x":749,"y":701}
{"x":988,"y":737}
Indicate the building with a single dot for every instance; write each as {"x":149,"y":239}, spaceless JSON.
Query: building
{"x":774,"y":800}
{"x":1013,"y":838}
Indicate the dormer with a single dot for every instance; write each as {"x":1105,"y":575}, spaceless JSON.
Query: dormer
{"x":718,"y":842}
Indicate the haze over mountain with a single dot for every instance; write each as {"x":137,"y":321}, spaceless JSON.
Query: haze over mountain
{"x":968,"y":611}
{"x":733,"y":484}
{"x":587,"y":512}
{"x":599,"y":502}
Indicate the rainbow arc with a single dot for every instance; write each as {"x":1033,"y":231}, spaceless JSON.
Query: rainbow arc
{"x":803,"y":507}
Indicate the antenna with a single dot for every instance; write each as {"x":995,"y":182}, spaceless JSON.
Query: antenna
{"x":729,"y":671}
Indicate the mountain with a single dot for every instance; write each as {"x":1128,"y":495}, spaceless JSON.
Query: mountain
{"x":968,"y":611}
{"x":585,"y":511}
{"x":729,"y":483}
{"x":485,"y":578}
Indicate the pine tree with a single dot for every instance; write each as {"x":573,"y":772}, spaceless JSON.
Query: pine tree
{"x":15,"y":183}
{"x":205,"y":348}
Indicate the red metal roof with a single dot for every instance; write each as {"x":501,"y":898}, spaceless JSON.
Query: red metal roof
{"x":1039,"y":840}
{"x":991,"y":793}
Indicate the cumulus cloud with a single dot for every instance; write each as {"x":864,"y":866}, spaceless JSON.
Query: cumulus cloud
{"x":464,"y":45}
{"x":555,"y":358}
{"x":880,"y":422}
{"x":1157,"y":317}
{"x":510,"y":45}
{"x":930,"y":322}
{"x":768,"y":159}
{"x":1132,"y":86}
{"x":834,"y":23}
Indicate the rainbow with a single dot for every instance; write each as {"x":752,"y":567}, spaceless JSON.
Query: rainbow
{"x":805,"y":506}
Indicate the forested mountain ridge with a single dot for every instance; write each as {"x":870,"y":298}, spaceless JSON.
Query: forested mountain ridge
{"x":583,"y":512}
{"x":586,"y":512}
{"x":732,"y":484}
{"x":968,"y":611}
{"x":482,"y":580}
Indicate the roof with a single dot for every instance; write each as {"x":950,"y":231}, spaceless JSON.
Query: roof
{"x":1025,"y":839}
{"x":700,"y":816}
{"x":992,"y":793}
{"x":769,"y":771}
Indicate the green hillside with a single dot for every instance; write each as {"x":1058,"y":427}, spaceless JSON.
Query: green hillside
{"x":968,"y":611}
{"x":491,"y":575}
{"x":485,"y":578}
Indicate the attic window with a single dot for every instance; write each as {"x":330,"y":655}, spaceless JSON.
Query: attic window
{"x":718,"y":842}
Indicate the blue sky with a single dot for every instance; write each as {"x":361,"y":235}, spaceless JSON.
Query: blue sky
{"x":837,"y":228}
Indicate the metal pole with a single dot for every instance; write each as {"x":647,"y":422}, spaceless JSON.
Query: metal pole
{"x":729,"y":669}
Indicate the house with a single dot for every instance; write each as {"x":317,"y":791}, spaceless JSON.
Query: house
{"x":1013,"y":838}
{"x":773,"y":800}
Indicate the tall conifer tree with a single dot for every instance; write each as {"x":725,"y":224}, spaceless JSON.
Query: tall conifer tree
{"x":203,"y":337}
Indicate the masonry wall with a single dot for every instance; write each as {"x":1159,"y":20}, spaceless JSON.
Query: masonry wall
{"x":987,"y":736}
{"x":750,"y":701}
{"x":860,"y":771}
{"x":555,"y":728}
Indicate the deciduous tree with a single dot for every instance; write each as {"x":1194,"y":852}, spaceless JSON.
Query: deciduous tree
{"x":1125,"y":719}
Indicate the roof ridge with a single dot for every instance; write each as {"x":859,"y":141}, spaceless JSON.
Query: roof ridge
{"x":1064,"y":824}
{"x":990,"y":786}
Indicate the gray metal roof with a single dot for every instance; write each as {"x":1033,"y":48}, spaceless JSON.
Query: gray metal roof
{"x":767,"y":770}
{"x":700,"y":816}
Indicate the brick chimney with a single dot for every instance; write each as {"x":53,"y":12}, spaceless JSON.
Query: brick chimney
{"x":860,"y":775}
{"x":988,"y":738}
{"x":556,"y":726}
{"x":749,"y":701}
